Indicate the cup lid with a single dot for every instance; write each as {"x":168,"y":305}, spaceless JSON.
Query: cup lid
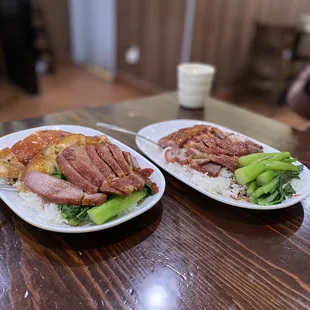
{"x":196,"y":68}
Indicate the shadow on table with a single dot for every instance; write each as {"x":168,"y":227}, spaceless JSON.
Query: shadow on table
{"x":110,"y":242}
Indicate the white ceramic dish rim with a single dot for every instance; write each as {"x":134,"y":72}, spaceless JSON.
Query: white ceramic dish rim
{"x":181,"y":123}
{"x":64,"y":228}
{"x":206,"y":69}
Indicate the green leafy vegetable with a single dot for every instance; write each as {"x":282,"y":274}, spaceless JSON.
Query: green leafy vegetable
{"x":300,"y":168}
{"x":267,"y":200}
{"x":267,"y":177}
{"x":59,"y":175}
{"x":289,"y":190}
{"x":74,"y":214}
{"x":149,"y":189}
{"x":275,"y":191}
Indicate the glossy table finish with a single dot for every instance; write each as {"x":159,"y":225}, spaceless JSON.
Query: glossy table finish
{"x":188,"y":252}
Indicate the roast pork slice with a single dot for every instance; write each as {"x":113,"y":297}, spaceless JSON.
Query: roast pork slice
{"x":106,"y":155}
{"x":146,"y":172}
{"x":118,"y":155}
{"x":81,"y":162}
{"x":74,"y":177}
{"x":98,"y":161}
{"x":131,"y":160}
{"x":94,"y":199}
{"x":106,"y":188}
{"x":123,"y":184}
{"x":205,"y":166}
{"x":230,"y":162}
{"x":137,"y":181}
{"x":52,"y":189}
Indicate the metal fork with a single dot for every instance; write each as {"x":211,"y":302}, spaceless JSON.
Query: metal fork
{"x":129,"y":132}
{"x":7,"y":188}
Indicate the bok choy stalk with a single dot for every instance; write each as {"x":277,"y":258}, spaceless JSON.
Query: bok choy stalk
{"x":249,"y":173}
{"x":114,"y":206}
{"x":267,"y":177}
{"x":275,"y":157}
{"x":262,"y":157}
{"x":248,"y":159}
{"x":251,"y":187}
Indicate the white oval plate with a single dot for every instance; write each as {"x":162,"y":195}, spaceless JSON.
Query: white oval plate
{"x":159,"y":130}
{"x":21,"y":208}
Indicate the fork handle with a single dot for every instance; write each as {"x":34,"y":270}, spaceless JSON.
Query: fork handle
{"x":129,"y":132}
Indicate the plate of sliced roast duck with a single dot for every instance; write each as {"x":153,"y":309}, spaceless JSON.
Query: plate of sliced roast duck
{"x":75,"y":179}
{"x":226,"y":165}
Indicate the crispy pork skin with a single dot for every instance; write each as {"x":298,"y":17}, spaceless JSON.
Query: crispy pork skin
{"x":26,"y":149}
{"x":22,"y":152}
{"x":52,"y":189}
{"x":180,"y":137}
{"x":52,"y":136}
{"x":74,"y":177}
{"x":10,"y":167}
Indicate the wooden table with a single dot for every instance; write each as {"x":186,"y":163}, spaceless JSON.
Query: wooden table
{"x":188,"y":249}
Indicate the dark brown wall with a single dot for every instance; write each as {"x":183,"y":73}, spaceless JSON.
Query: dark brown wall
{"x":2,"y":65}
{"x":224,"y":29}
{"x":156,"y":27}
{"x":57,"y":18}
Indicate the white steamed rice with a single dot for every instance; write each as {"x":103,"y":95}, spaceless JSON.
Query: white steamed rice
{"x":224,"y":185}
{"x":46,"y":212}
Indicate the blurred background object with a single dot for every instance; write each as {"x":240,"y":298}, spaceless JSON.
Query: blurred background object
{"x":270,"y":58}
{"x":305,"y":22}
{"x":93,"y":35}
{"x":98,"y":52}
{"x":17,"y":38}
{"x":45,"y":58}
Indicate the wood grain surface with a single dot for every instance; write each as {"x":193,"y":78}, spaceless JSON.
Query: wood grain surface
{"x":187,"y":252}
